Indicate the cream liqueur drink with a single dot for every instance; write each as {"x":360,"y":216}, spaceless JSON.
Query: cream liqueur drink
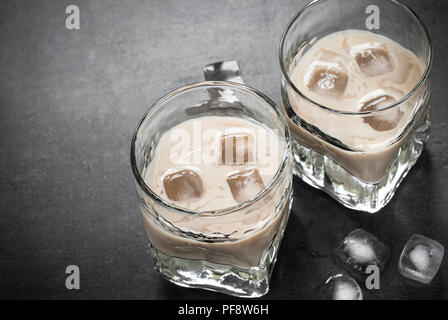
{"x":356,"y":71}
{"x":212,"y":163}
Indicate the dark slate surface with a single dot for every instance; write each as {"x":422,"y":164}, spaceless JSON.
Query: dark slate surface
{"x":70,"y":101}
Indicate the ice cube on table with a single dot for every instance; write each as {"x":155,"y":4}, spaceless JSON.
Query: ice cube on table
{"x":373,"y":59}
{"x":342,"y":287}
{"x":245,"y":184}
{"x":360,"y":249}
{"x":421,"y":259}
{"x":183,"y":185}
{"x":327,"y":78}
{"x":237,"y":148}
{"x":386,"y":120}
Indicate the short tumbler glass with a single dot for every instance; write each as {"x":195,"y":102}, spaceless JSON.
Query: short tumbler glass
{"x":360,"y":180}
{"x":239,"y":262}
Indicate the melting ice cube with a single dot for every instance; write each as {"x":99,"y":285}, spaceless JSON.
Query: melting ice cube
{"x":237,"y":149}
{"x":245,"y":184}
{"x":342,"y":287}
{"x":183,"y":185}
{"x":387,"y":119}
{"x":327,"y":78}
{"x":359,"y":250}
{"x":372,"y":59}
{"x":421,"y":259}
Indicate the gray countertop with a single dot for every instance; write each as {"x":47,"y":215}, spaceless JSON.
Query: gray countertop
{"x":70,"y":100}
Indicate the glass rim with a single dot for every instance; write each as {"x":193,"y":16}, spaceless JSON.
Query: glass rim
{"x":407,"y":97}
{"x":219,"y":212}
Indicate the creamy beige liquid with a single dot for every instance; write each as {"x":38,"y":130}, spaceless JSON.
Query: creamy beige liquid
{"x":356,"y":71}
{"x":396,"y":78}
{"x":196,"y":145}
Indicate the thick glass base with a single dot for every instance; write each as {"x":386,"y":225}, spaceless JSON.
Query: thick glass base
{"x":227,"y":279}
{"x":323,"y":173}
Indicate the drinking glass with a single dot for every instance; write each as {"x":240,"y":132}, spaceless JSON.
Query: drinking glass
{"x":360,"y":180}
{"x":238,"y":262}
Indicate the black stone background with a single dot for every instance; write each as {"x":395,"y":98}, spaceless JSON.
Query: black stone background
{"x":70,"y":101}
